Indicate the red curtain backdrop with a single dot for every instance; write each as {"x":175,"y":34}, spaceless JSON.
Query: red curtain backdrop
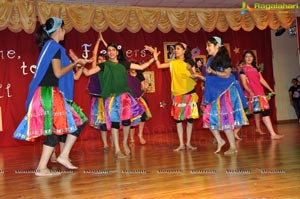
{"x":18,"y":50}
{"x":298,"y":35}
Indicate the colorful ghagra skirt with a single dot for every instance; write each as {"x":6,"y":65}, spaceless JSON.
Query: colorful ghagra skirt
{"x":49,"y":113}
{"x":143,"y":103}
{"x":226,"y":112}
{"x":185,"y":107}
{"x":258,"y":103}
{"x":122,"y":107}
{"x":97,"y":112}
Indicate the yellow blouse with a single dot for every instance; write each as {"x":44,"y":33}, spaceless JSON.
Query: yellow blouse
{"x":181,"y":81}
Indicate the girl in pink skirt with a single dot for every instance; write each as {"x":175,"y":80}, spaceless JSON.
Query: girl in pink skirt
{"x":253,"y":82}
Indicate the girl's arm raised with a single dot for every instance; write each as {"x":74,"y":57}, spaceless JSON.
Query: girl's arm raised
{"x":95,"y":52}
{"x":102,"y":39}
{"x":86,"y":72}
{"x":141,"y":66}
{"x":155,"y":53}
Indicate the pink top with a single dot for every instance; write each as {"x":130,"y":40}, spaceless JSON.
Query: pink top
{"x":253,"y":80}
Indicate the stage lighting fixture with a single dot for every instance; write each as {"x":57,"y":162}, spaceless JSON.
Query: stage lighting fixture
{"x":279,"y":31}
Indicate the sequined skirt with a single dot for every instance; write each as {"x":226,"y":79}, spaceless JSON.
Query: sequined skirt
{"x":226,"y":112}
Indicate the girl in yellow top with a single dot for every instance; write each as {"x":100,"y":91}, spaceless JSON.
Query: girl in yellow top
{"x":184,"y":97}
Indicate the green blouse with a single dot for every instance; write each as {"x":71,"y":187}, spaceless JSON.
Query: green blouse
{"x":113,"y":78}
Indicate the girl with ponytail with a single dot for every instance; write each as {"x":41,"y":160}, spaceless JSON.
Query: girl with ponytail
{"x":51,"y":111}
{"x":223,"y":102}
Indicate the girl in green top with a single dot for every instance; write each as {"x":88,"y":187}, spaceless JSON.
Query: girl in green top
{"x":120,"y":107}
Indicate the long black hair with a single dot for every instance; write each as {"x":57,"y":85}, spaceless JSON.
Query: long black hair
{"x":222,"y":58}
{"x":188,"y":58}
{"x":41,"y":35}
{"x":253,"y":55}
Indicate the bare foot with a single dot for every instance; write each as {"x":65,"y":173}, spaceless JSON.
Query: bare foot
{"x":190,"y":147}
{"x":276,"y":137}
{"x":180,"y":148}
{"x":119,"y":155}
{"x":230,"y":152}
{"x":142,"y":140}
{"x":46,"y":172}
{"x":66,"y":162}
{"x":260,"y":132}
{"x":106,"y":149}
{"x":222,"y":142}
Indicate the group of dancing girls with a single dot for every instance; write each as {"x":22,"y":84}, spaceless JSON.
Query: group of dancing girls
{"x":224,"y":99}
{"x":51,"y":111}
{"x":50,"y":108}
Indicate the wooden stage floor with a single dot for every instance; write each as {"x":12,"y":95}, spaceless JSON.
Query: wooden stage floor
{"x":262,"y":169}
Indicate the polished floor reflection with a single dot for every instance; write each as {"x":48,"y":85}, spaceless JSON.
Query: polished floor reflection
{"x":263,"y":168}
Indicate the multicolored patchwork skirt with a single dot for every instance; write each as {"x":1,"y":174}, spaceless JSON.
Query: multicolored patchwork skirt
{"x":226,"y":112}
{"x":185,"y":107}
{"x":97,"y":112}
{"x":143,"y":103}
{"x":49,"y":113}
{"x":122,"y":107}
{"x":258,"y":103}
